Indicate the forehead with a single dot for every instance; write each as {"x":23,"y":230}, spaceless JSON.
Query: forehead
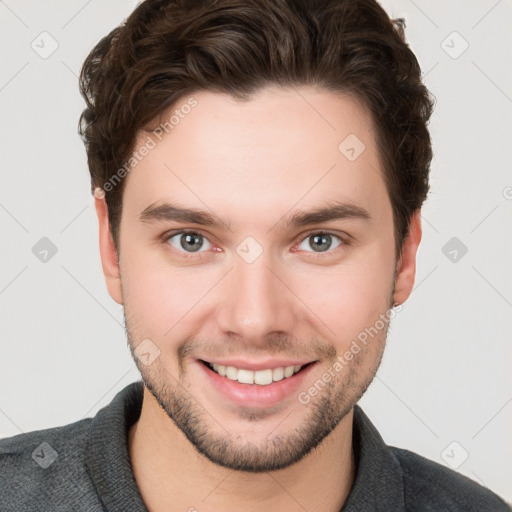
{"x":283,"y":148}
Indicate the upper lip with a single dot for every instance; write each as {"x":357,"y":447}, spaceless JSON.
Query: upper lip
{"x":244,"y":364}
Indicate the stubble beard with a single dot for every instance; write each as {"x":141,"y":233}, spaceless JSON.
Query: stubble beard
{"x":211,"y":436}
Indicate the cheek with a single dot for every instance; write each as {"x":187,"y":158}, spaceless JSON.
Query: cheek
{"x":160,"y":295}
{"x":348,"y":299}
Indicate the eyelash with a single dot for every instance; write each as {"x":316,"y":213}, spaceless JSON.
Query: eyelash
{"x":168,"y":235}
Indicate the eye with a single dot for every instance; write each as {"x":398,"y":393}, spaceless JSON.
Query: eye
{"x":321,"y":242}
{"x":188,"y":241}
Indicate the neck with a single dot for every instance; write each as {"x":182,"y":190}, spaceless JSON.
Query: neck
{"x":171,"y":474}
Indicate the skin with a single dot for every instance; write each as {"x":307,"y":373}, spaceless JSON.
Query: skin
{"x":254,"y":163}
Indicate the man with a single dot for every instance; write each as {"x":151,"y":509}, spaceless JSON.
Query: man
{"x":258,"y":169}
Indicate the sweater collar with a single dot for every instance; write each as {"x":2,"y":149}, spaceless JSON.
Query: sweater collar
{"x":378,"y":485}
{"x":107,"y":456}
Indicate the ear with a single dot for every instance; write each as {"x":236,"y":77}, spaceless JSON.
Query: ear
{"x":406,"y":266}
{"x":108,"y":251}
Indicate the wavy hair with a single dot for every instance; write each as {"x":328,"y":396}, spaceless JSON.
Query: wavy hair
{"x":169,"y":48}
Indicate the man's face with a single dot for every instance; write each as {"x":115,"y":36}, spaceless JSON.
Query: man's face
{"x":259,"y":292}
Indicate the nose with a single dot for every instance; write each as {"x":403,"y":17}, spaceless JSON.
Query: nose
{"x":256,"y":303}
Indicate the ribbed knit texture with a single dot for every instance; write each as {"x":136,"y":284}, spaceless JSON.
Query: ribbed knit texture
{"x":85,"y":467}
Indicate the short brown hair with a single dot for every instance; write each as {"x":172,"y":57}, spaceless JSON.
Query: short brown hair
{"x":169,"y":48}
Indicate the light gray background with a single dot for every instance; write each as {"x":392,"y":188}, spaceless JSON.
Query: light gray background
{"x":445,"y":376}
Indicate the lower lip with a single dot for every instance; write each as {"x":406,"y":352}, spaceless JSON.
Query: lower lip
{"x":255,"y":395}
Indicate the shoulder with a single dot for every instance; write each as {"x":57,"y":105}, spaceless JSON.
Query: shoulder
{"x":42,"y":447}
{"x":430,"y":486}
{"x":44,"y":468}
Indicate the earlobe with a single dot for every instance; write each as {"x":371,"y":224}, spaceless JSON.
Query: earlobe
{"x":406,"y":267}
{"x":108,"y":251}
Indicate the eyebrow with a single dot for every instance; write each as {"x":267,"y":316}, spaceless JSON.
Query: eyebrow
{"x":336,"y":211}
{"x":170,"y":212}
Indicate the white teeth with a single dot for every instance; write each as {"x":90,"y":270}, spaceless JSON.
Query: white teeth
{"x":231,"y":373}
{"x":245,"y":377}
{"x":263,"y":377}
{"x":278,"y":374}
{"x":288,"y":371}
{"x":260,"y":377}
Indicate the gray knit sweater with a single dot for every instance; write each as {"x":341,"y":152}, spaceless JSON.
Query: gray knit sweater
{"x":85,"y":467}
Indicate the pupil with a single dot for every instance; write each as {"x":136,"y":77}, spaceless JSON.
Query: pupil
{"x":190,"y":238}
{"x":319,"y":239}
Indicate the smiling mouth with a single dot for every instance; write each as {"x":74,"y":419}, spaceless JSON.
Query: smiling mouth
{"x":259,"y":377}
